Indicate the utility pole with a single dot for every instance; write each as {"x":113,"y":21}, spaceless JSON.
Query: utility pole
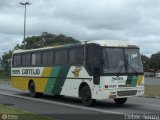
{"x":25,"y":4}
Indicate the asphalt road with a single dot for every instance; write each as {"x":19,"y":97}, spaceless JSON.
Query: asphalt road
{"x":69,"y":108}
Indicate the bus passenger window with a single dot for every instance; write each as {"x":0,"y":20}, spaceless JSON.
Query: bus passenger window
{"x":38,"y":59}
{"x":44,"y":58}
{"x":50,"y":57}
{"x":33,"y":59}
{"x":23,"y":60}
{"x":47,"y":58}
{"x":28,"y":59}
{"x":61,"y":57}
{"x":17,"y":60}
{"x":75,"y":56}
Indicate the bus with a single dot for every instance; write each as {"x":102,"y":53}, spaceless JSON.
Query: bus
{"x":92,"y":70}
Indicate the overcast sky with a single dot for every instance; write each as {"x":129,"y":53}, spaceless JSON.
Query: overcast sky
{"x":130,"y":20}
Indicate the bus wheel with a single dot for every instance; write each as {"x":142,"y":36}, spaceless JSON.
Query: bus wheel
{"x":32,"y":90}
{"x":120,"y":100}
{"x":87,"y":97}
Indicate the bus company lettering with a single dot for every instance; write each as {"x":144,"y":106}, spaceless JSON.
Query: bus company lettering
{"x":117,"y":78}
{"x":31,"y":71}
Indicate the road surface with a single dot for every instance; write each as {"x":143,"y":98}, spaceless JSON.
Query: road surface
{"x":69,"y":108}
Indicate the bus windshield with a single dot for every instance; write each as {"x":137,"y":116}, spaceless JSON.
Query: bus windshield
{"x":133,"y":60}
{"x":119,"y":60}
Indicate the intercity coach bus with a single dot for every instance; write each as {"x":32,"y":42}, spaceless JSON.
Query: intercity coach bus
{"x":93,"y":70}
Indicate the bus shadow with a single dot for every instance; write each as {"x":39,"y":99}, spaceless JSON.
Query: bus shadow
{"x":108,"y":104}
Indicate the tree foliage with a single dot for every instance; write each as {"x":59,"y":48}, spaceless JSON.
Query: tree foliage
{"x":6,"y":57}
{"x":43,"y":40}
{"x":145,"y":61}
{"x":46,"y":39}
{"x":154,"y":62}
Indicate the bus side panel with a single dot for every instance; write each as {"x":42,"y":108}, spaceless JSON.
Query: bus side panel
{"x":23,"y":83}
{"x":56,"y":80}
{"x":20,"y":82}
{"x":76,"y":75}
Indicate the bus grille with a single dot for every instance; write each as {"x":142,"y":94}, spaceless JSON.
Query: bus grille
{"x":126,"y":93}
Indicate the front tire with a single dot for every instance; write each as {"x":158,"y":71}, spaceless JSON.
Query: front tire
{"x":120,"y":101}
{"x":86,"y":97}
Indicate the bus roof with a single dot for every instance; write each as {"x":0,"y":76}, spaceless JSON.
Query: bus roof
{"x":113,"y":43}
{"x":105,"y":43}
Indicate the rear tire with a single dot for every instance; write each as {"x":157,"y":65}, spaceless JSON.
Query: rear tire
{"x":32,"y":90}
{"x":86,"y":97}
{"x":120,"y":101}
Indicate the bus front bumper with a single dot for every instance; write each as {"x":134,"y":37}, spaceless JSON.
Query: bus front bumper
{"x":122,"y":92}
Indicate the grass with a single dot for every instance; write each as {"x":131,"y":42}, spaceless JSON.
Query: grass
{"x":5,"y":80}
{"x":20,"y":114}
{"x":152,"y":90}
{"x":4,"y":75}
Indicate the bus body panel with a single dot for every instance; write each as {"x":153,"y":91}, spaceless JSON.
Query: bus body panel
{"x":67,"y":79}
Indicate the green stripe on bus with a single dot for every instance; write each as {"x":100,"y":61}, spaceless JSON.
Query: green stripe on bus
{"x":51,"y":81}
{"x":132,"y":80}
{"x":129,"y":78}
{"x":54,"y":85}
{"x":57,"y":87}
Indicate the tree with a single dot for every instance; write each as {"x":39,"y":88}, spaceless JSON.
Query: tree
{"x":154,"y":62}
{"x":6,"y":57}
{"x":145,"y":62}
{"x":47,"y":39}
{"x":43,"y":40}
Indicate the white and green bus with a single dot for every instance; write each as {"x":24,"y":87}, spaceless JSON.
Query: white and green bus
{"x":93,"y":70}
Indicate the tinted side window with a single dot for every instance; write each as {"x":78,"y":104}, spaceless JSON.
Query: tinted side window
{"x":38,"y":59}
{"x":17,"y":60}
{"x":23,"y":60}
{"x":50,"y":57}
{"x":75,"y":55}
{"x":28,"y":59}
{"x":61,"y":57}
{"x":33,"y":59}
{"x":47,"y":57}
{"x":44,"y":58}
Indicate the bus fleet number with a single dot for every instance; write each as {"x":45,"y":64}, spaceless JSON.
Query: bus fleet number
{"x":15,"y":71}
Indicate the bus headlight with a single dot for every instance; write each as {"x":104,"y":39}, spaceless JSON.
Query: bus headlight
{"x":112,"y":95}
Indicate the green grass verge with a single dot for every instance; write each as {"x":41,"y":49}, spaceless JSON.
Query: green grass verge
{"x":5,"y":80}
{"x":22,"y":115}
{"x":4,"y":75}
{"x":152,"y":90}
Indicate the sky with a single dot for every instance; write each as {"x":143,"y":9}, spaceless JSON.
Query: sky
{"x":135,"y":21}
